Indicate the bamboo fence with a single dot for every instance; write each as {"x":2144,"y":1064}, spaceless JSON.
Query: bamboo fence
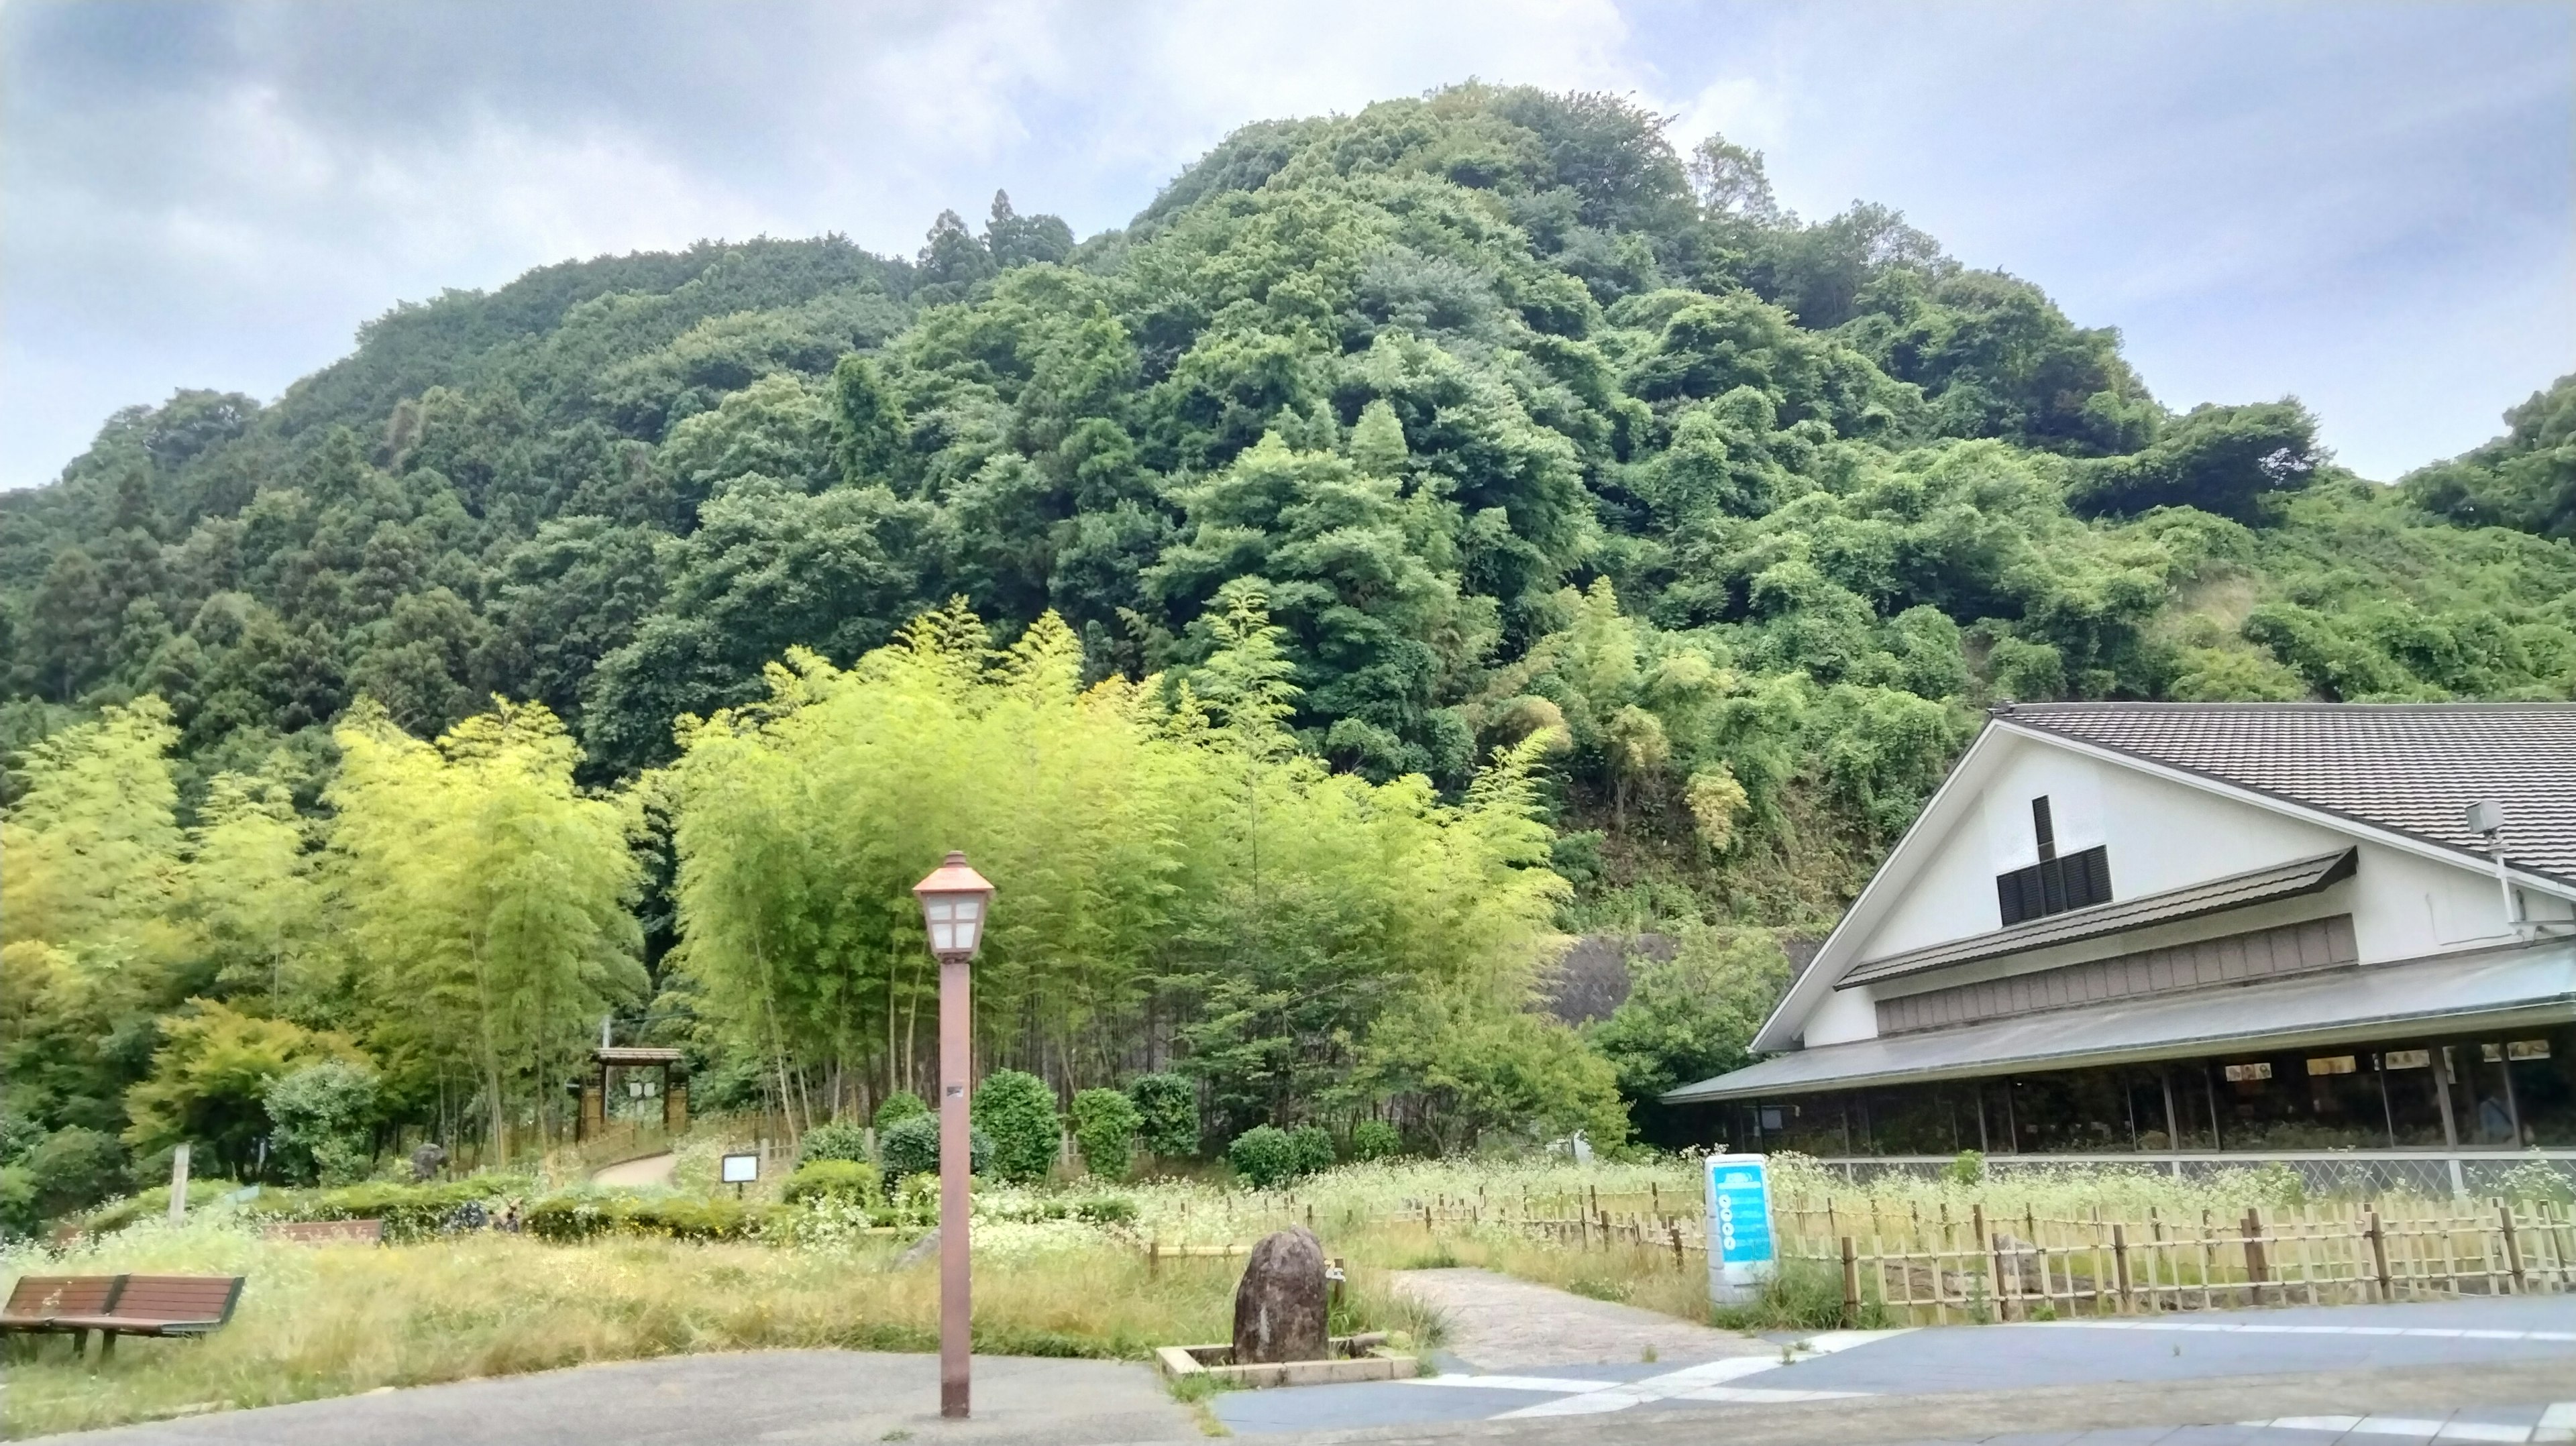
{"x":1904,"y":1266}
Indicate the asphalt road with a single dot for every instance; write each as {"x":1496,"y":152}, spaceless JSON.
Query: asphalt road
{"x":2488,"y":1370}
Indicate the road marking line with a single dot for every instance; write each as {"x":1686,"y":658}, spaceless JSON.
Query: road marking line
{"x":2249,"y":1328}
{"x":2483,"y":1431}
{"x":1570,"y":1385}
{"x":2548,"y":1430}
{"x":1690,"y":1380}
{"x":1767,"y":1395}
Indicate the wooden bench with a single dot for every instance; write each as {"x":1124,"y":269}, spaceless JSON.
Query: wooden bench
{"x":159,"y":1305}
{"x":328,"y":1232}
{"x":36,"y":1302}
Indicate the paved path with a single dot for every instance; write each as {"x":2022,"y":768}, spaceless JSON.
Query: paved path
{"x":1497,"y":1323}
{"x":810,"y":1398}
{"x":651,"y":1170}
{"x":2405,"y":1365}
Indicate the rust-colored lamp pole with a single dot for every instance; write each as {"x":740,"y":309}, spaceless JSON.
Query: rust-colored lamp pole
{"x":954,"y":901}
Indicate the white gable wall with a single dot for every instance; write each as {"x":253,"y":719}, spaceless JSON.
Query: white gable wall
{"x":2160,"y":834}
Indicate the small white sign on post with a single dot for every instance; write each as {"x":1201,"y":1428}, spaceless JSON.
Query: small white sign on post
{"x":741,"y":1169}
{"x":1741,"y":1252}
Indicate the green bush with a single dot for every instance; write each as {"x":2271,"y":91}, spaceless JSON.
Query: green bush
{"x":1104,"y":1128}
{"x":1313,"y":1147}
{"x":911,"y":1147}
{"x":1017,"y":1111}
{"x":1106,"y":1210}
{"x":319,"y":1121}
{"x":1968,"y":1169}
{"x":1375,"y":1140}
{"x":410,"y":1212}
{"x":1167,"y":1115}
{"x":153,"y":1204}
{"x":854,"y":1181}
{"x":1263,"y":1156}
{"x":898,"y":1107}
{"x":73,"y":1169}
{"x":833,"y":1140}
{"x":578,"y":1215}
{"x":17,"y":1202}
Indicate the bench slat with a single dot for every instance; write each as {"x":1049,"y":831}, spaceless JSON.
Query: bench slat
{"x":173,"y":1298}
{"x":41,"y":1297}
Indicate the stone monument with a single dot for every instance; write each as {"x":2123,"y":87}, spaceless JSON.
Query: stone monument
{"x":1279,"y":1309}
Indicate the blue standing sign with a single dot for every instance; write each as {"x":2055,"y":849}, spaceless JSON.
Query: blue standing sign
{"x":1741,"y":1255}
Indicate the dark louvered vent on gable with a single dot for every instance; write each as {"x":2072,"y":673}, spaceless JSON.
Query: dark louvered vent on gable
{"x":2053,"y":885}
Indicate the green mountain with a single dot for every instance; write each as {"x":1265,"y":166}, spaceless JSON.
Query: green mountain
{"x":1521,"y":417}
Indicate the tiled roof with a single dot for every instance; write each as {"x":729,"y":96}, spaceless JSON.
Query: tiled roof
{"x":2410,"y":768}
{"x":2236,"y":891}
{"x":2401,"y":1001}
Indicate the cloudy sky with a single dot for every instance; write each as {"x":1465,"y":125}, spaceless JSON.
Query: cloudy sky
{"x":2372,"y":206}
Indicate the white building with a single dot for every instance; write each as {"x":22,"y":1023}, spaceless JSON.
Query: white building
{"x":2177,"y":929}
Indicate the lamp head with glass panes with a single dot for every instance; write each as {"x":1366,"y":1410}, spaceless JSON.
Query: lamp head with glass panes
{"x":953,"y":905}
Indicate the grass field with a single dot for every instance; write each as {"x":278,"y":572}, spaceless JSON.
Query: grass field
{"x":334,"y":1320}
{"x":324,"y":1321}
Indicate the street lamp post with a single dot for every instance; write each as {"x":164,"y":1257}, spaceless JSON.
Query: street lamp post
{"x":954,"y":901}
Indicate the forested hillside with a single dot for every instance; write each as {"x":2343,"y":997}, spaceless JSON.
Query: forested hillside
{"x":1477,"y":460}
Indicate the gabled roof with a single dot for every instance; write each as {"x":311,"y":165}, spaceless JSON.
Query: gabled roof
{"x":2399,"y":774}
{"x":2507,"y":987}
{"x":2409,"y":768}
{"x":2236,"y":891}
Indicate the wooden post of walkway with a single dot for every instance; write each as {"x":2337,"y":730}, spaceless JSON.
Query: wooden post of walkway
{"x":2379,"y":1256}
{"x":2120,"y":1262}
{"x":1851,"y":1284}
{"x":2256,"y":1267}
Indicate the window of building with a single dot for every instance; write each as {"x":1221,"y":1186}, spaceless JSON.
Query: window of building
{"x":2195,"y":1118}
{"x":2413,"y":1097}
{"x":2543,"y":1073}
{"x":2053,"y":885}
{"x":1912,"y":1120}
{"x":2481,"y":1101}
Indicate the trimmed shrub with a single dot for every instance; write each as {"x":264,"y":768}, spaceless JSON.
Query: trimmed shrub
{"x":410,"y":1212}
{"x":834,"y":1140}
{"x":74,"y":1169}
{"x":911,"y":1147}
{"x":898,"y":1107}
{"x":1313,"y":1147}
{"x":1017,"y":1111}
{"x":1106,"y":1210}
{"x":1167,"y":1115}
{"x":854,"y":1181}
{"x":319,"y":1116}
{"x":1375,"y":1140}
{"x":1263,"y":1156}
{"x":1104,"y":1128}
{"x":576,"y":1216}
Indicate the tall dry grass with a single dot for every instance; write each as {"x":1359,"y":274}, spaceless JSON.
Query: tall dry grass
{"x":334,"y":1320}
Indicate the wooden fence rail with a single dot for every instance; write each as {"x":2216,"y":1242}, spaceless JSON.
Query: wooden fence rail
{"x":1906,"y":1267}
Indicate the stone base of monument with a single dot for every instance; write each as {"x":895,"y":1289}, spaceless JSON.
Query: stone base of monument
{"x":1354,"y":1358}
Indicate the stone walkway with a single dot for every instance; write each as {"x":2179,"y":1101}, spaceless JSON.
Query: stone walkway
{"x":1498,"y":1323}
{"x":800,"y":1398}
{"x":651,"y":1170}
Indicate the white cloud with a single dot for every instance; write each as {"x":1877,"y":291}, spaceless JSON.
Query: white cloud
{"x":219,"y":195}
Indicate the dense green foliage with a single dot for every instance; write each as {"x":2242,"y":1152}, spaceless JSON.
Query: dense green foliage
{"x":1104,"y":1129}
{"x":1016,"y":1110}
{"x":833,"y":1140}
{"x":1263,"y":1157}
{"x":854,"y":1181}
{"x":1417,"y":533}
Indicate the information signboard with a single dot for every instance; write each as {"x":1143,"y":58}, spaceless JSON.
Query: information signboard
{"x":1741,"y":1255}
{"x":741,"y":1169}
